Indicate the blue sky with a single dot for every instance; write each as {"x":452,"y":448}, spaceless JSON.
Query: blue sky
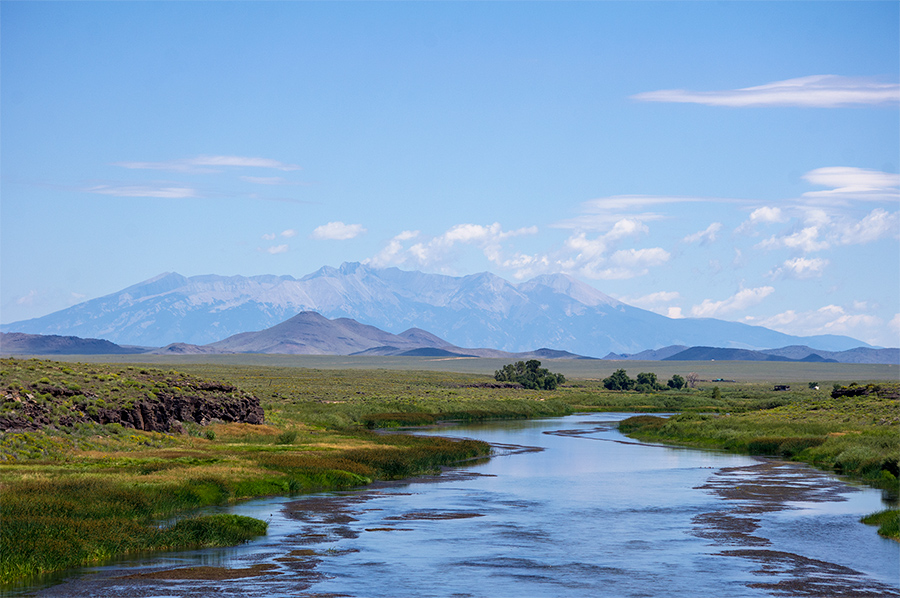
{"x":731,"y":160}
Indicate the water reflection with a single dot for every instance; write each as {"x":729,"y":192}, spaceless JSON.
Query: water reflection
{"x":569,"y":507}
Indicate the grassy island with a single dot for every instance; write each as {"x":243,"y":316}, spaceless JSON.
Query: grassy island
{"x":79,"y":482}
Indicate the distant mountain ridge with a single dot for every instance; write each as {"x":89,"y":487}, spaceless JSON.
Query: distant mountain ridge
{"x":480,"y":310}
{"x":310,"y":333}
{"x":17,"y":343}
{"x":720,"y":354}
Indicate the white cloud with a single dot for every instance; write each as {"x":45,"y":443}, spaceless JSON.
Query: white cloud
{"x":763,"y":215}
{"x":640,"y":258}
{"x":705,"y":236}
{"x":289,"y":233}
{"x":338,"y":231}
{"x":817,"y":91}
{"x":739,"y":301}
{"x":269,"y":236}
{"x":806,"y":240}
{"x":202,"y":164}
{"x":162,"y":191}
{"x":277,"y":249}
{"x":767,"y":214}
{"x":834,"y":319}
{"x":392,"y":252}
{"x":877,"y":224}
{"x":853,"y":184}
{"x":800,"y":267}
{"x":439,"y":250}
{"x":674,"y":313}
{"x":588,"y":257}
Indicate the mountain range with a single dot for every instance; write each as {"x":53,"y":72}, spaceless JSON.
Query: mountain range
{"x":479,"y":310}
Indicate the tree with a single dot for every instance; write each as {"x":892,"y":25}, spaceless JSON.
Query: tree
{"x":647,"y":382}
{"x":529,"y":374}
{"x":619,"y":380}
{"x":692,"y":379}
{"x":676,"y":382}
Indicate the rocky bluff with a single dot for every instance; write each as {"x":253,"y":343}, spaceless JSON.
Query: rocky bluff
{"x":36,"y":395}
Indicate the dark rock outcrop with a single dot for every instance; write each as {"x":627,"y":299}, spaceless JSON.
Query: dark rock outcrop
{"x":210,"y":402}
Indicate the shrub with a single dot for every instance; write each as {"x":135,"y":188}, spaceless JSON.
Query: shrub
{"x":287,"y":437}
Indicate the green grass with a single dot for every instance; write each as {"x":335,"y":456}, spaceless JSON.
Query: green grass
{"x":888,"y":523}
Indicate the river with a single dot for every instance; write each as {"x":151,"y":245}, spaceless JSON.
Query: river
{"x":567,"y":507}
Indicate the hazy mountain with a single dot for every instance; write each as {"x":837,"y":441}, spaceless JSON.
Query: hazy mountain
{"x":17,"y":343}
{"x":721,"y":354}
{"x":481,"y":310}
{"x":791,"y":353}
{"x":649,"y":354}
{"x":857,"y":355}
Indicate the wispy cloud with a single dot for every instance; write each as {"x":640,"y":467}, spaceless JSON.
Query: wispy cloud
{"x":817,"y":91}
{"x":739,"y":301}
{"x":287,"y":234}
{"x":599,"y":213}
{"x":337,"y":231}
{"x":853,"y":184}
{"x":265,"y":180}
{"x":276,"y":249}
{"x":205,"y":164}
{"x":705,"y":237}
{"x":163,"y":190}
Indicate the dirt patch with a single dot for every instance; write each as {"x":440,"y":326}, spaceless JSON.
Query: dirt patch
{"x":207,"y":573}
{"x":811,"y":577}
{"x":727,"y":528}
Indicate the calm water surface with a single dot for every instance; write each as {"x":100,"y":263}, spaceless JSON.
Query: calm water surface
{"x":569,"y":507}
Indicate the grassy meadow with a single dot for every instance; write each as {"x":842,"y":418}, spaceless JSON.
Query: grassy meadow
{"x":79,"y":494}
